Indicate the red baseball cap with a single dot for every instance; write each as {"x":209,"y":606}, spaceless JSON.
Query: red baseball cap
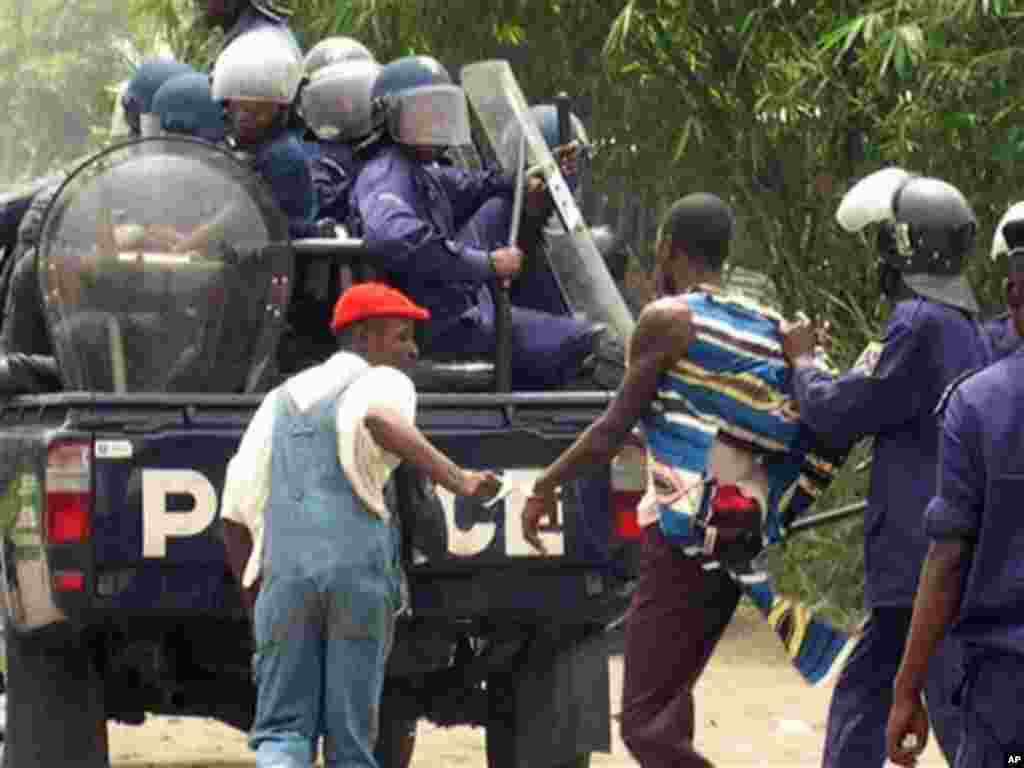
{"x":365,"y":300}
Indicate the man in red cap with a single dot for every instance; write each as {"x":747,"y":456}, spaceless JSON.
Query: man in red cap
{"x":304,"y":505}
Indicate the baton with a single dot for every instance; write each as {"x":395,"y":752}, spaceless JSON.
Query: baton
{"x":502,"y":301}
{"x":826,"y":518}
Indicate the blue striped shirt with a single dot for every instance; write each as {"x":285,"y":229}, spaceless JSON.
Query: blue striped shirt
{"x":734,"y":383}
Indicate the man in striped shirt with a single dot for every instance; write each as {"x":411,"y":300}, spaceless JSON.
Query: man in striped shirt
{"x":729,"y":461}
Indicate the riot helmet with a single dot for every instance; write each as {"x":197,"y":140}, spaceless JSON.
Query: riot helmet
{"x":184,"y":105}
{"x":927,"y":232}
{"x":545,"y":116}
{"x":256,"y":79}
{"x":415,"y":99}
{"x":334,"y":50}
{"x":137,"y":98}
{"x":335,"y":103}
{"x":259,"y":66}
{"x":1000,"y":246}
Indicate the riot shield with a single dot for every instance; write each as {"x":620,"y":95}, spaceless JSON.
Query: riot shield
{"x":164,"y":266}
{"x":499,"y":104}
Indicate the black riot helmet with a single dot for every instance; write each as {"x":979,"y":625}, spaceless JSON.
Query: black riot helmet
{"x":928,"y":240}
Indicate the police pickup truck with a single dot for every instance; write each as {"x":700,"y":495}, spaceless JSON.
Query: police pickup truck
{"x":116,"y":592}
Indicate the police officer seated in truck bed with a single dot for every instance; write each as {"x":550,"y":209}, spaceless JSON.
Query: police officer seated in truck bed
{"x":442,"y":233}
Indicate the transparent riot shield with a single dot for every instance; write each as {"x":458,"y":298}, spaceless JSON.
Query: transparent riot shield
{"x":164,"y":266}
{"x":499,"y":104}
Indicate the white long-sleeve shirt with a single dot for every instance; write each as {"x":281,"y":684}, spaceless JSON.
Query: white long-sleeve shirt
{"x":366,"y":465}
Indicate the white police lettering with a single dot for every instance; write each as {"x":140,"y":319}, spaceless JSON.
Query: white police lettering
{"x":480,"y":535}
{"x":160,"y":524}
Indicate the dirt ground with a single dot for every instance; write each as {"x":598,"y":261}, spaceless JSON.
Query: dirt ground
{"x":753,"y":710}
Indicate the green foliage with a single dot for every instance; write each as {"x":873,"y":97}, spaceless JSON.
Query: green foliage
{"x":58,"y":61}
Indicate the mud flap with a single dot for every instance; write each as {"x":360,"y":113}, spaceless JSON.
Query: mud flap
{"x":562,"y":706}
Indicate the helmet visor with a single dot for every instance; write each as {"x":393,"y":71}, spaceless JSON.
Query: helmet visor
{"x":336,"y":103}
{"x":432,"y":116}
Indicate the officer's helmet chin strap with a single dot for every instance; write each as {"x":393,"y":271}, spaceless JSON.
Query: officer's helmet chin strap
{"x":890,"y":281}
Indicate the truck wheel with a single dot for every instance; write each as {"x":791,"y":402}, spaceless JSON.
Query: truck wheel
{"x":396,"y":741}
{"x":54,"y":689}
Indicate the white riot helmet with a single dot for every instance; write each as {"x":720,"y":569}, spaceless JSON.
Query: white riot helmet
{"x":261,"y":65}
{"x":334,"y":50}
{"x":335,"y":103}
{"x":999,"y":246}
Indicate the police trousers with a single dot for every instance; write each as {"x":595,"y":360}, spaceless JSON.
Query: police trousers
{"x":993,"y":718}
{"x":862,"y":698}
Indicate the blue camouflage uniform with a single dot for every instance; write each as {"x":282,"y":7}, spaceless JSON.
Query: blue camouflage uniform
{"x":433,"y":229}
{"x":334,"y":169}
{"x":980,"y":487}
{"x":926,"y":346}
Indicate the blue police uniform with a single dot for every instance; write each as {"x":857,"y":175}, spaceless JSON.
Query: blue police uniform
{"x":433,"y":229}
{"x":1002,"y":336}
{"x":981,"y":484}
{"x":334,"y":168}
{"x":926,"y":346}
{"x":324,"y":618}
{"x":284,"y":165}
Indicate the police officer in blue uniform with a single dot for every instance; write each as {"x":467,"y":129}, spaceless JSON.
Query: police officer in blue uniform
{"x":137,"y":99}
{"x":537,"y":287}
{"x":256,"y":79}
{"x":972,"y":585}
{"x":184,"y":105}
{"x":931,"y":338}
{"x":334,"y":104}
{"x":442,"y":233}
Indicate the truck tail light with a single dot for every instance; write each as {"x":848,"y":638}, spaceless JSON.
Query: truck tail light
{"x":629,"y":479}
{"x":69,"y":581}
{"x":69,"y":492}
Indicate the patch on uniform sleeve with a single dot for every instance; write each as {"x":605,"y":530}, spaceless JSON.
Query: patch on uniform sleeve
{"x":940,"y":407}
{"x":867,"y":361}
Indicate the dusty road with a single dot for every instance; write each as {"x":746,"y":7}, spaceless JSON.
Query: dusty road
{"x":752,"y":708}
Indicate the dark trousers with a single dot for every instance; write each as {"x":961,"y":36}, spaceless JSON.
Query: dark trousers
{"x":993,"y":718}
{"x":859,"y":712}
{"x":677,"y":617}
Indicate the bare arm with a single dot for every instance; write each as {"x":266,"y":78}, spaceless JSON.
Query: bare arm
{"x":238,"y":547}
{"x":392,"y":433}
{"x":935,"y":607}
{"x":662,"y":336}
